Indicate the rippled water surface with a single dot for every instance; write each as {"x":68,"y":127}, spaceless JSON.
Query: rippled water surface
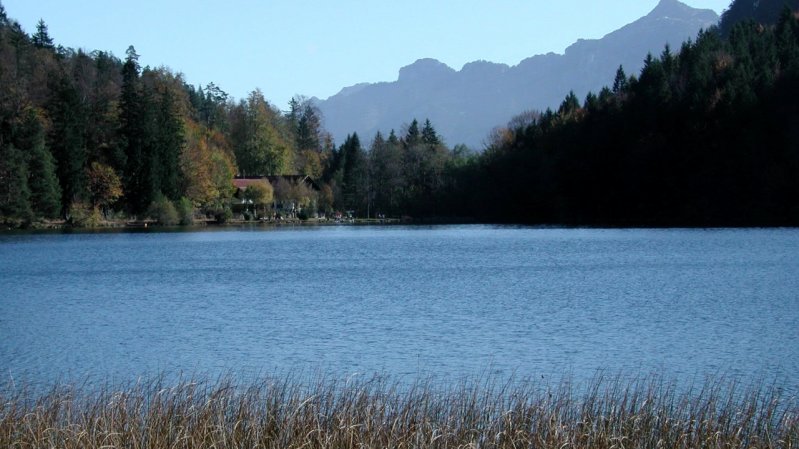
{"x":447,"y":301}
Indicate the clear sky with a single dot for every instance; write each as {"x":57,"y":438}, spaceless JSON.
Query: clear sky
{"x":314,"y":48}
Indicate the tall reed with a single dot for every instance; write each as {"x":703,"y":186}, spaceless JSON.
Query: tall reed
{"x":377,"y":413}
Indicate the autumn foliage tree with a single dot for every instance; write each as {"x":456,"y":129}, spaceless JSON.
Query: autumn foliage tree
{"x":260,"y":138}
{"x":105,"y":187}
{"x":259,"y":194}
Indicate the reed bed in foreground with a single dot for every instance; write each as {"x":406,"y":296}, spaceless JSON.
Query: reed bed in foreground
{"x":376,"y":413}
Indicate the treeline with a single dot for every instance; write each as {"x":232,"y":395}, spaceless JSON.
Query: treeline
{"x":707,"y":136}
{"x":395,"y":176}
{"x":89,"y":137}
{"x":703,"y":136}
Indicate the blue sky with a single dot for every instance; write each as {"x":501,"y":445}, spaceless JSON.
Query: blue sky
{"x":314,"y":48}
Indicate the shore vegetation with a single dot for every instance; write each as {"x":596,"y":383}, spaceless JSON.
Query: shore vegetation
{"x":378,"y":413}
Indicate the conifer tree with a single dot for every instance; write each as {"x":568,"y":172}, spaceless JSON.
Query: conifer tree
{"x":591,"y":103}
{"x":42,"y":39}
{"x":354,"y":172}
{"x":169,"y":146}
{"x":68,"y":137}
{"x":620,"y":81}
{"x":212,"y":106}
{"x":132,"y":133}
{"x":14,"y":191}
{"x":293,"y":116}
{"x":3,"y":16}
{"x":308,"y":129}
{"x":569,"y":106}
{"x":392,"y":138}
{"x":429,"y":135}
{"x":45,"y":193}
{"x":385,"y":165}
{"x":413,"y":136}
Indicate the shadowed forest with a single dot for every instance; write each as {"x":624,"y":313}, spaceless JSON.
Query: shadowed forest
{"x":704,"y":135}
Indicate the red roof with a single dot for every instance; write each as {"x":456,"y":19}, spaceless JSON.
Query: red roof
{"x":243,"y":183}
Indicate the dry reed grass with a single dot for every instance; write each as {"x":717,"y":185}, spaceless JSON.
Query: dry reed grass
{"x":376,"y":413}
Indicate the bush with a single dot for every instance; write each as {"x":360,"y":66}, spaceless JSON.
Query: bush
{"x":163,"y":211}
{"x":185,"y":211}
{"x":222,"y":215}
{"x":82,"y":215}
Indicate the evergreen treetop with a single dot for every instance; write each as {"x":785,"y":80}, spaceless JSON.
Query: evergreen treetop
{"x":42,"y":39}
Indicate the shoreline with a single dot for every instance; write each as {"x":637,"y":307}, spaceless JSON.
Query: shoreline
{"x":142,"y":225}
{"x":123,"y":225}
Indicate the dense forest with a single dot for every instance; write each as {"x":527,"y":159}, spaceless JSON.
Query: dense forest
{"x":702,"y":136}
{"x":706,"y":136}
{"x":761,"y":11}
{"x":88,"y":137}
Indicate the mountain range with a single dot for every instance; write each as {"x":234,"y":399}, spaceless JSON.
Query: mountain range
{"x":466,"y":105}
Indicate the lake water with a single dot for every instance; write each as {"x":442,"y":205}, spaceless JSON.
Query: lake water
{"x":451,"y":301}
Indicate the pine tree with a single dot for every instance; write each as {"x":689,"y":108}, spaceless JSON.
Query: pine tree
{"x":103,"y":136}
{"x":3,"y":16}
{"x":152,"y":167}
{"x":14,"y":191}
{"x":68,"y":137}
{"x":569,"y":106}
{"x":45,"y":193}
{"x":42,"y":39}
{"x":308,"y":129}
{"x":413,"y":137}
{"x":295,"y":113}
{"x":591,"y":103}
{"x":169,"y":146}
{"x":132,"y":133}
{"x":429,"y":135}
{"x":213,"y":103}
{"x":620,"y":82}
{"x":392,"y":138}
{"x":354,"y":173}
{"x":385,"y":165}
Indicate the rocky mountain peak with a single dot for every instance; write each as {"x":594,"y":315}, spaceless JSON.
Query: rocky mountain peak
{"x":425,"y":69}
{"x":675,"y":9}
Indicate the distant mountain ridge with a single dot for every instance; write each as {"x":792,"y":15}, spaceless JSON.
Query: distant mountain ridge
{"x":465,"y":105}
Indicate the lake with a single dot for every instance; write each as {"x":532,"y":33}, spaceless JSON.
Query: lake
{"x":444,"y":301}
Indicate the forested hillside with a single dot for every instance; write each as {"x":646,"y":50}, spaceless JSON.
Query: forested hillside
{"x":89,"y":137}
{"x":766,"y":12}
{"x":703,"y":136}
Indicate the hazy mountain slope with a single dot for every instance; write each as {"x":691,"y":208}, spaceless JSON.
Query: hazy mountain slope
{"x":465,"y":105}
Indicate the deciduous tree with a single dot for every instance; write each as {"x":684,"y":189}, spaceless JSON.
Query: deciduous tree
{"x":105,"y":187}
{"x":259,"y":193}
